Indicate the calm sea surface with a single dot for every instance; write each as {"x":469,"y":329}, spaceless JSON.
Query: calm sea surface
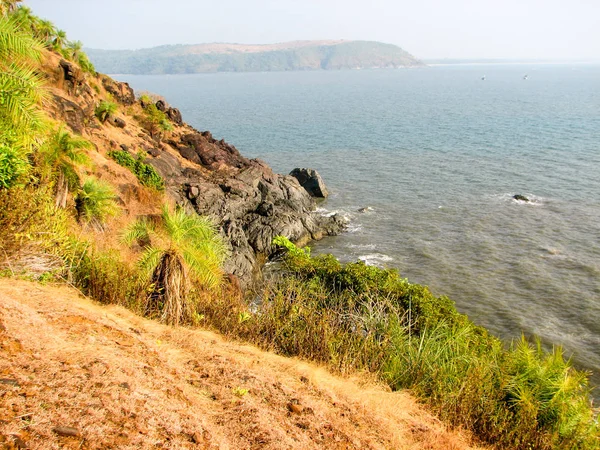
{"x":437,"y":154}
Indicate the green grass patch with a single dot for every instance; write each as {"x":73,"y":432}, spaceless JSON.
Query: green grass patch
{"x":146,"y":174}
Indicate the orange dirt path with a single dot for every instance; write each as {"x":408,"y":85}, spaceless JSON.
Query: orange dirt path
{"x":112,"y":379}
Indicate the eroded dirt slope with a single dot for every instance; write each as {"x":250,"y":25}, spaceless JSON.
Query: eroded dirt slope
{"x":75,"y":374}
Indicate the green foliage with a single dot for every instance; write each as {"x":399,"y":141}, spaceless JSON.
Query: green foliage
{"x":28,"y":219}
{"x":104,"y":276}
{"x":180,"y":249}
{"x":354,"y":316}
{"x":13,"y":161}
{"x":8,"y":6}
{"x":20,"y":86}
{"x":104,"y":110}
{"x":155,"y":121}
{"x":147,"y":174}
{"x":96,"y":202}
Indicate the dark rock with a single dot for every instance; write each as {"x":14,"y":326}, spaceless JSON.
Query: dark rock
{"x":521,"y":198}
{"x":9,"y":382}
{"x":73,"y":114}
{"x":310,"y":180}
{"x":190,"y":154}
{"x":117,"y":122}
{"x":161,"y":105}
{"x":265,"y":209}
{"x":72,"y":75}
{"x":124,"y":147}
{"x":66,"y":431}
{"x":214,"y":156}
{"x":365,"y":209}
{"x":175,"y":116}
{"x":153,"y":152}
{"x":122,"y":92}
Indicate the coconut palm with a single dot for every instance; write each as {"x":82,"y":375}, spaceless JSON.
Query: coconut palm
{"x":20,"y":87}
{"x":8,"y":6}
{"x":180,"y":249}
{"x":60,"y":154}
{"x":45,"y":30}
{"x":74,"y":48}
{"x":21,"y":92}
{"x":60,"y":39}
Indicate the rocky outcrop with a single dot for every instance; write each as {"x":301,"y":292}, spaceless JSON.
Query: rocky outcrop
{"x":72,"y":113}
{"x":122,"y":92}
{"x":310,"y":180}
{"x":250,"y":202}
{"x":174,"y":116}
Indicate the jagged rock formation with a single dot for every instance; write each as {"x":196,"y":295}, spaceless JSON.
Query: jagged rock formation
{"x":252,"y":204}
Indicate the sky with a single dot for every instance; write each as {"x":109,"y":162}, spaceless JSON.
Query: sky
{"x":514,"y":29}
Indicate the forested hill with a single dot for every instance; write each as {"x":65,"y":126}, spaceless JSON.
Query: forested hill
{"x":298,"y":55}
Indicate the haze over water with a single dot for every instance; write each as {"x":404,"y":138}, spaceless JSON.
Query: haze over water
{"x":437,"y":154}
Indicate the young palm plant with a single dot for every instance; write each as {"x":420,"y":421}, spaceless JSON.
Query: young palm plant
{"x":179,"y":250}
{"x":8,"y":6}
{"x":21,"y":92}
{"x":95,"y":203}
{"x":20,"y":87}
{"x":60,"y":154}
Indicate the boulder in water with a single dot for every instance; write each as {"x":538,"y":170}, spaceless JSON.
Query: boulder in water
{"x":521,"y":198}
{"x":311,"y":181}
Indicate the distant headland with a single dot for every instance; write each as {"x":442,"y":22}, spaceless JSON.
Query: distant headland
{"x":287,"y":56}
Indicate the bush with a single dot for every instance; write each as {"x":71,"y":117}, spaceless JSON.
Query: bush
{"x":13,"y":165}
{"x":104,"y":110}
{"x":95,"y":202}
{"x":146,"y":174}
{"x":355,"y":317}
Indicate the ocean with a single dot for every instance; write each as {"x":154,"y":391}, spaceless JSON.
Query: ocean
{"x":435,"y":155}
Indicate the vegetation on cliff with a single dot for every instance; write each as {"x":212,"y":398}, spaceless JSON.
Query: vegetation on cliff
{"x":66,"y":195}
{"x":309,"y":55}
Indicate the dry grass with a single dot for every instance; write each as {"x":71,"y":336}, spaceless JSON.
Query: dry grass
{"x":126,"y":382}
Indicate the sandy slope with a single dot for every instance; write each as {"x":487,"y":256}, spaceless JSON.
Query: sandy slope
{"x":121,"y":381}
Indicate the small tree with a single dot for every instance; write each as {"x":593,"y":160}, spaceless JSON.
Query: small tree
{"x":60,"y":154}
{"x":182,"y":248}
{"x":95,"y":202}
{"x":104,"y":110}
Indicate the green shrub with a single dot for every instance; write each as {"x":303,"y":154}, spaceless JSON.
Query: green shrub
{"x":146,"y":174}
{"x":95,"y":202}
{"x":105,"y":277}
{"x":353,"y":317}
{"x":104,"y":110}
{"x":13,"y":165}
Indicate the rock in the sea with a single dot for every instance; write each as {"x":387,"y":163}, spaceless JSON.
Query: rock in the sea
{"x":521,"y":198}
{"x":310,"y":180}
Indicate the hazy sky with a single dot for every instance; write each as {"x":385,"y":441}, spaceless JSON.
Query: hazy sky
{"x":426,"y":28}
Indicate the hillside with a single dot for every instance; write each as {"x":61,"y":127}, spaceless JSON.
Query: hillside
{"x":122,"y":381}
{"x":298,"y":55}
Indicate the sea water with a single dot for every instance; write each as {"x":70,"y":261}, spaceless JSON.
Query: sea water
{"x":435,"y":155}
